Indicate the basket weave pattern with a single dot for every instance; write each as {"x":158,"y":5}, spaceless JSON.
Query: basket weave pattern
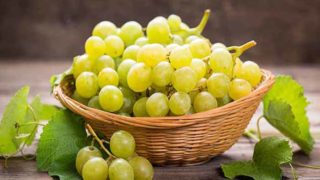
{"x":178,"y":140}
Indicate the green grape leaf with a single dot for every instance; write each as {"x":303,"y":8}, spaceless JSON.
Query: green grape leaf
{"x":284,"y":107}
{"x":59,"y":144}
{"x":56,"y":79}
{"x":269,"y":154}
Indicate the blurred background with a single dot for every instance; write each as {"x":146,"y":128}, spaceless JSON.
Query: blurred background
{"x":287,"y":31}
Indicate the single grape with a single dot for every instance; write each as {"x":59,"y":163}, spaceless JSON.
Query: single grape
{"x":103,"y":62}
{"x":237,"y":68}
{"x":139,"y":107}
{"x":174,"y":22}
{"x":95,"y":169}
{"x":184,"y":79}
{"x":139,"y":77}
{"x":110,"y":98}
{"x":177,"y":39}
{"x":170,"y":47}
{"x":158,"y":31}
{"x":162,"y":73}
{"x":131,"y":52}
{"x":114,"y":46}
{"x":180,"y":56}
{"x":87,"y":84}
{"x":218,"y":84}
{"x":251,"y":72}
{"x":78,"y":98}
{"x":152,"y":54}
{"x":94,"y":102}
{"x":180,"y":103}
{"x":104,"y":29}
{"x":81,"y":64}
{"x":108,"y":76}
{"x":224,"y":100}
{"x":120,"y":169}
{"x":204,"y":101}
{"x":95,"y":46}
{"x":122,"y":144}
{"x":157,"y":105}
{"x":221,"y":61}
{"x":239,"y":88}
{"x":202,"y":84}
{"x":129,"y":99}
{"x":141,"y":41}
{"x":191,"y":38}
{"x":130,"y":31}
{"x":199,"y":67}
{"x":142,"y":168}
{"x":200,"y":48}
{"x":218,"y":45}
{"x":123,"y":70}
{"x":84,"y":155}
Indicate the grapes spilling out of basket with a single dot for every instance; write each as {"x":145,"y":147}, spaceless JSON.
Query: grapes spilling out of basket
{"x":165,"y":69}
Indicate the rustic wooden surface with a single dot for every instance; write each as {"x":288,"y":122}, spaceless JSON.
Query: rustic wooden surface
{"x":14,"y":74}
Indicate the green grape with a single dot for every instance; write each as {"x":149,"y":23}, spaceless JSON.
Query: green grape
{"x":114,"y":46}
{"x":191,"y":38}
{"x":128,"y":101}
{"x":142,"y":168}
{"x":139,"y":77}
{"x":224,"y":100}
{"x":87,"y":84}
{"x":239,"y":88}
{"x":84,"y":155}
{"x":237,"y":68}
{"x":157,"y":105}
{"x":152,"y":54}
{"x":202,"y":83}
{"x":180,"y":56}
{"x":218,"y":45}
{"x":81,"y":64}
{"x":184,"y":79}
{"x":200,"y":48}
{"x":170,"y":47}
{"x":131,"y":52}
{"x":204,"y":101}
{"x":139,"y":107}
{"x":78,"y":98}
{"x":123,"y":70}
{"x":174,"y":22}
{"x":95,"y":46}
{"x":130,"y":31}
{"x":161,"y":74}
{"x":179,"y":103}
{"x":141,"y":41}
{"x":94,"y":102}
{"x":221,"y":61}
{"x":199,"y":67}
{"x":158,"y":31}
{"x":95,"y":169}
{"x":103,"y":62}
{"x":251,"y":72}
{"x":110,"y":98}
{"x":122,"y":144}
{"x":108,"y":76}
{"x":177,"y":39}
{"x":120,"y":169}
{"x":218,"y":84}
{"x":104,"y":29}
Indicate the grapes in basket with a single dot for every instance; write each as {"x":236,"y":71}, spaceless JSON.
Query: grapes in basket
{"x":164,"y":69}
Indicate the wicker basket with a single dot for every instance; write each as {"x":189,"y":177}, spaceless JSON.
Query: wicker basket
{"x":179,"y":140}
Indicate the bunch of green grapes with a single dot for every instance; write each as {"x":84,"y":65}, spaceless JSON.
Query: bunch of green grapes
{"x":164,"y":69}
{"x":124,"y":163}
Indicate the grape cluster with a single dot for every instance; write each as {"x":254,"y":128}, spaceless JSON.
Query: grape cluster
{"x":165,"y":69}
{"x":125,"y":164}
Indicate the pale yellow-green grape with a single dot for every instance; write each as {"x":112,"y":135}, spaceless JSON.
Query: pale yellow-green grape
{"x":142,"y":168}
{"x":94,"y":102}
{"x":177,"y":39}
{"x":218,"y":85}
{"x":157,"y":105}
{"x":239,"y":88}
{"x":87,"y":84}
{"x":191,"y":38}
{"x":237,"y":68}
{"x":129,"y":99}
{"x":123,"y":70}
{"x":110,"y":98}
{"x":130,"y":32}
{"x":95,"y":46}
{"x":120,"y":169}
{"x":221,"y":61}
{"x":162,"y":73}
{"x":204,"y":101}
{"x":103,"y":62}
{"x":202,"y":84}
{"x":139,"y":77}
{"x":200,"y":48}
{"x":174,"y":22}
{"x":131,"y":52}
{"x":95,"y":169}
{"x":139,"y":107}
{"x":170,"y":47}
{"x":78,"y":98}
{"x":114,"y":46}
{"x":84,"y":155}
{"x":122,"y":144}
{"x":199,"y":67}
{"x":81,"y":64}
{"x":217,"y":45}
{"x":158,"y":31}
{"x":251,"y":72}
{"x":108,"y":76}
{"x":180,"y":103}
{"x":152,"y":54}
{"x":180,"y":56}
{"x":224,"y":100}
{"x":184,"y":79}
{"x":104,"y":29}
{"x":141,"y":41}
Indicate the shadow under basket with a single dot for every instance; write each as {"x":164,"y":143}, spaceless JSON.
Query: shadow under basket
{"x":177,"y":140}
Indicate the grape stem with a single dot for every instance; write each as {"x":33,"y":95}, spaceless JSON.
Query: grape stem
{"x":293,"y":172}
{"x":198,"y":29}
{"x":91,"y":131}
{"x":306,"y":166}
{"x":238,"y":50}
{"x":251,"y":135}
{"x":258,"y":127}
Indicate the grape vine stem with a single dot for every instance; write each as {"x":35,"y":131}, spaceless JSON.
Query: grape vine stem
{"x":258,"y":127}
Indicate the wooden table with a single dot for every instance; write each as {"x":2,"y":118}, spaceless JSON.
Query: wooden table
{"x":14,"y":74}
